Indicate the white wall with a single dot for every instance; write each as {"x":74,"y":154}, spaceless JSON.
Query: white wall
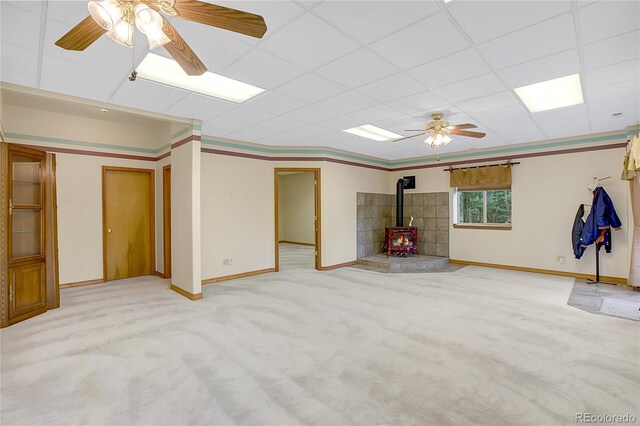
{"x":79,"y":185}
{"x":238,"y":211}
{"x":296,"y":208}
{"x":546,"y":192}
{"x":30,"y":121}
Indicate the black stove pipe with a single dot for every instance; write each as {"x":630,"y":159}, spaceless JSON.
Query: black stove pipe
{"x":399,"y":202}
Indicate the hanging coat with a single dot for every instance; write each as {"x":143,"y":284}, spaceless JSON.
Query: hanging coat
{"x":576,"y":232}
{"x":602,"y":216}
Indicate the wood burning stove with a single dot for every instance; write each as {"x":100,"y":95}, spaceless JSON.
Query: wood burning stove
{"x":401,"y":241}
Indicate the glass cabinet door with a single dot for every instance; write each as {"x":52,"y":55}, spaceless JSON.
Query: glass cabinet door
{"x":26,"y":205}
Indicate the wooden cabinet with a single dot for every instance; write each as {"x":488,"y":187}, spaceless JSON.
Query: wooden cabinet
{"x":23,"y":254}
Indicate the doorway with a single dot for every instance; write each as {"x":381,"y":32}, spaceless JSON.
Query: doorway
{"x":297,"y":217}
{"x":166,"y":219}
{"x":128,"y":222}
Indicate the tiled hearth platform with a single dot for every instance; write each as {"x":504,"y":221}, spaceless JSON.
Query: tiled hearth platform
{"x":382,"y":263}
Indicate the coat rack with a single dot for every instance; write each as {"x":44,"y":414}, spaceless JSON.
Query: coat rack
{"x":597,"y":180}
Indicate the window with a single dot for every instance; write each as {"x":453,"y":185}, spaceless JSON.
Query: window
{"x":491,"y":207}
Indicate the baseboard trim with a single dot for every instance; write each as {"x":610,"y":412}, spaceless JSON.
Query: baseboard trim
{"x":185,"y":293}
{"x":298,"y":243}
{"x":160,"y":274}
{"x":339,"y":265}
{"x":82,"y":283}
{"x":617,"y":280}
{"x":236,"y":276}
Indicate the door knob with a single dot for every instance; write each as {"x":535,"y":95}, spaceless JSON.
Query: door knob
{"x":109,"y":230}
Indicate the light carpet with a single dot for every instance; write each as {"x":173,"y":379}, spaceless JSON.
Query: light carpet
{"x":349,"y":346}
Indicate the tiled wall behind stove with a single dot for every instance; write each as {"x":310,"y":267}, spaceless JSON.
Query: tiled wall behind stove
{"x":430,"y":213}
{"x":374,"y":214}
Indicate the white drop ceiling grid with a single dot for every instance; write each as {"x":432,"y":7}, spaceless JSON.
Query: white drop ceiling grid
{"x":332,"y":65}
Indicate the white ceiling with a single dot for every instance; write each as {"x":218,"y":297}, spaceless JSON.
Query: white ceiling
{"x":331,"y":65}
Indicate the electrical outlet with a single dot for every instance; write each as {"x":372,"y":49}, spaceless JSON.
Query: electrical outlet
{"x":560,"y":259}
{"x":227,"y":262}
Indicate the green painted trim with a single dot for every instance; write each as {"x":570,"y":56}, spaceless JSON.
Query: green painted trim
{"x":46,"y":139}
{"x":180,"y":133}
{"x":277,"y":150}
{"x":196,"y":127}
{"x":509,"y":150}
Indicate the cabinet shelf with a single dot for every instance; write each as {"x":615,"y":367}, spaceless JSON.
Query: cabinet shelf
{"x":26,"y":181}
{"x":33,"y":231}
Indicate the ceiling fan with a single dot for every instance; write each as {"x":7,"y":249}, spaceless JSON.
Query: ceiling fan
{"x":438,"y":131}
{"x":117,"y":18}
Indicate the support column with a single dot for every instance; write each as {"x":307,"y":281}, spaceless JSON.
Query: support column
{"x":186,"y":256}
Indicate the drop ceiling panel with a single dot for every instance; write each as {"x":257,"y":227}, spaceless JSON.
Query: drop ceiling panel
{"x":617,"y":73}
{"x":285,"y":122}
{"x":375,"y":113}
{"x":543,"y":69}
{"x":411,"y":46}
{"x":31,"y":6}
{"x":200,"y":107}
{"x":472,"y":88}
{"x":608,"y":18}
{"x":390,"y":88}
{"x":18,"y":60}
{"x":485,"y":20}
{"x":492,"y":102}
{"x":91,"y":82}
{"x":447,"y":70}
{"x":521,"y":134}
{"x":357,"y":69}
{"x":564,"y":122}
{"x":376,"y":20}
{"x":13,"y":77}
{"x":308,"y":42}
{"x":312,"y":131}
{"x":221,"y":127}
{"x":254,"y":133}
{"x":215,"y":47}
{"x":14,"y":21}
{"x":612,"y":50}
{"x":346,"y":102}
{"x":246,"y":115}
{"x":263,"y":70}
{"x":537,"y":41}
{"x":275,"y":13}
{"x":419,"y":103}
{"x":147,"y":95}
{"x":67,"y":12}
{"x":310,"y":88}
{"x":274,"y":102}
{"x":312,"y":114}
{"x":342,"y":122}
{"x":614,"y":91}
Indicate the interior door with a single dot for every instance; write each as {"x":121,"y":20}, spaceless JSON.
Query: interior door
{"x":128,"y":220}
{"x":26,"y":239}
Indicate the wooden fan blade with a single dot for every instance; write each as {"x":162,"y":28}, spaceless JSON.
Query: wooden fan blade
{"x":467,"y":133}
{"x":462,"y":126}
{"x":409,"y":137}
{"x":82,"y":35}
{"x":222,"y":17}
{"x":181,"y":52}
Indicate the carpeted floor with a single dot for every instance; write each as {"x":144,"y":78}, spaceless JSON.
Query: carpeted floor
{"x":349,"y":346}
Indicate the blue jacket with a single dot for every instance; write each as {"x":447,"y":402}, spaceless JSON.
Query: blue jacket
{"x":602,"y":216}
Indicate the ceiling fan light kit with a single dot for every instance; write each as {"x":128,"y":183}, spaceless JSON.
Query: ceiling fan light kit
{"x":438,"y":131}
{"x":117,"y":19}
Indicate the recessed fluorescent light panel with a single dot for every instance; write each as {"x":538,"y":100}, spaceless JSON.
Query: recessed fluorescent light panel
{"x":372,"y":132}
{"x":164,"y":70}
{"x":552,"y":94}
